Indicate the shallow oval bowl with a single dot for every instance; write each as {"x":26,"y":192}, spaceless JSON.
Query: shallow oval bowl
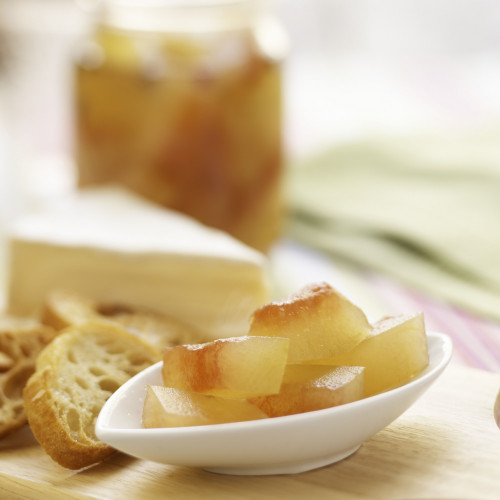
{"x":280,"y":445}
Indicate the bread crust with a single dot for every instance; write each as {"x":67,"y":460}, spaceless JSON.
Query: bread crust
{"x":64,"y":308}
{"x":41,"y":405}
{"x":21,"y":341}
{"x":74,"y":377}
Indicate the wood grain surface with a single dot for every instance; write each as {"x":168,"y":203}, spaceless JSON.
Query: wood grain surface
{"x":446,"y":446}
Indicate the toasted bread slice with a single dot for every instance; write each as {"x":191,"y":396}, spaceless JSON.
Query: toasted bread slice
{"x":21,"y":340}
{"x":74,"y":377}
{"x":63,"y":308}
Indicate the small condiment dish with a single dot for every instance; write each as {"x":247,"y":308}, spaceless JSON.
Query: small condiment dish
{"x":281,"y":445}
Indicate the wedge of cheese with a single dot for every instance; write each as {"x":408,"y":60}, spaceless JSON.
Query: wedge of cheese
{"x":114,"y":246}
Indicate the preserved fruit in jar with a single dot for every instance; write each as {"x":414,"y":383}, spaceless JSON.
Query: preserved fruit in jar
{"x":189,"y":118}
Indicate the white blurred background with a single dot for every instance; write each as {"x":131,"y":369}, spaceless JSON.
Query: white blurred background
{"x":360,"y":67}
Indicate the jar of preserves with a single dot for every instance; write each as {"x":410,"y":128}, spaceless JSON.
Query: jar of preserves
{"x":181,"y":101}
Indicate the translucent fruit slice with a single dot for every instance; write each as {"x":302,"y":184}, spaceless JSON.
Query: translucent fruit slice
{"x":168,"y":407}
{"x":235,"y":367}
{"x":313,"y":387}
{"x":394,"y":352}
{"x":319,"y":321}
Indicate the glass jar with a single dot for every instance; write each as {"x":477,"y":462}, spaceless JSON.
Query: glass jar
{"x":180,"y":101}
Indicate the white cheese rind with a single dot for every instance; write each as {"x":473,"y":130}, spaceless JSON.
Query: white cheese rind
{"x":118,"y":220}
{"x":111,"y":245}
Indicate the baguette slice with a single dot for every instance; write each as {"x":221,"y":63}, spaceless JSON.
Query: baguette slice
{"x":63,"y":308}
{"x":74,"y":377}
{"x":21,"y":340}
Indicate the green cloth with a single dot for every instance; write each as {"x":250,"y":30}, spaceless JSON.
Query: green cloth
{"x":425,"y":211}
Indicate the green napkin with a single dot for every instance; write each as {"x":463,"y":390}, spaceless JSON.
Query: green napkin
{"x":425,"y":211}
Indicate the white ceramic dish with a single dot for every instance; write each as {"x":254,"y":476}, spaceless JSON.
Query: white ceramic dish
{"x":281,"y":445}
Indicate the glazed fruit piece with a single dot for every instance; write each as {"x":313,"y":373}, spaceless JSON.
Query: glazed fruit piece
{"x":394,"y":352}
{"x":313,"y":387}
{"x":236,"y":367}
{"x":319,"y":321}
{"x":168,"y":407}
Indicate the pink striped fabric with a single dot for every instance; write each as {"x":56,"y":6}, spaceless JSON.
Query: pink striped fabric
{"x":476,"y":341}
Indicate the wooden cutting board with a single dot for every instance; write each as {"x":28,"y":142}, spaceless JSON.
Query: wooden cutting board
{"x":446,"y":446}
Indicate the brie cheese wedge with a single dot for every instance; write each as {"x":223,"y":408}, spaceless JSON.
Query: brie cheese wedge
{"x":112,"y":245}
